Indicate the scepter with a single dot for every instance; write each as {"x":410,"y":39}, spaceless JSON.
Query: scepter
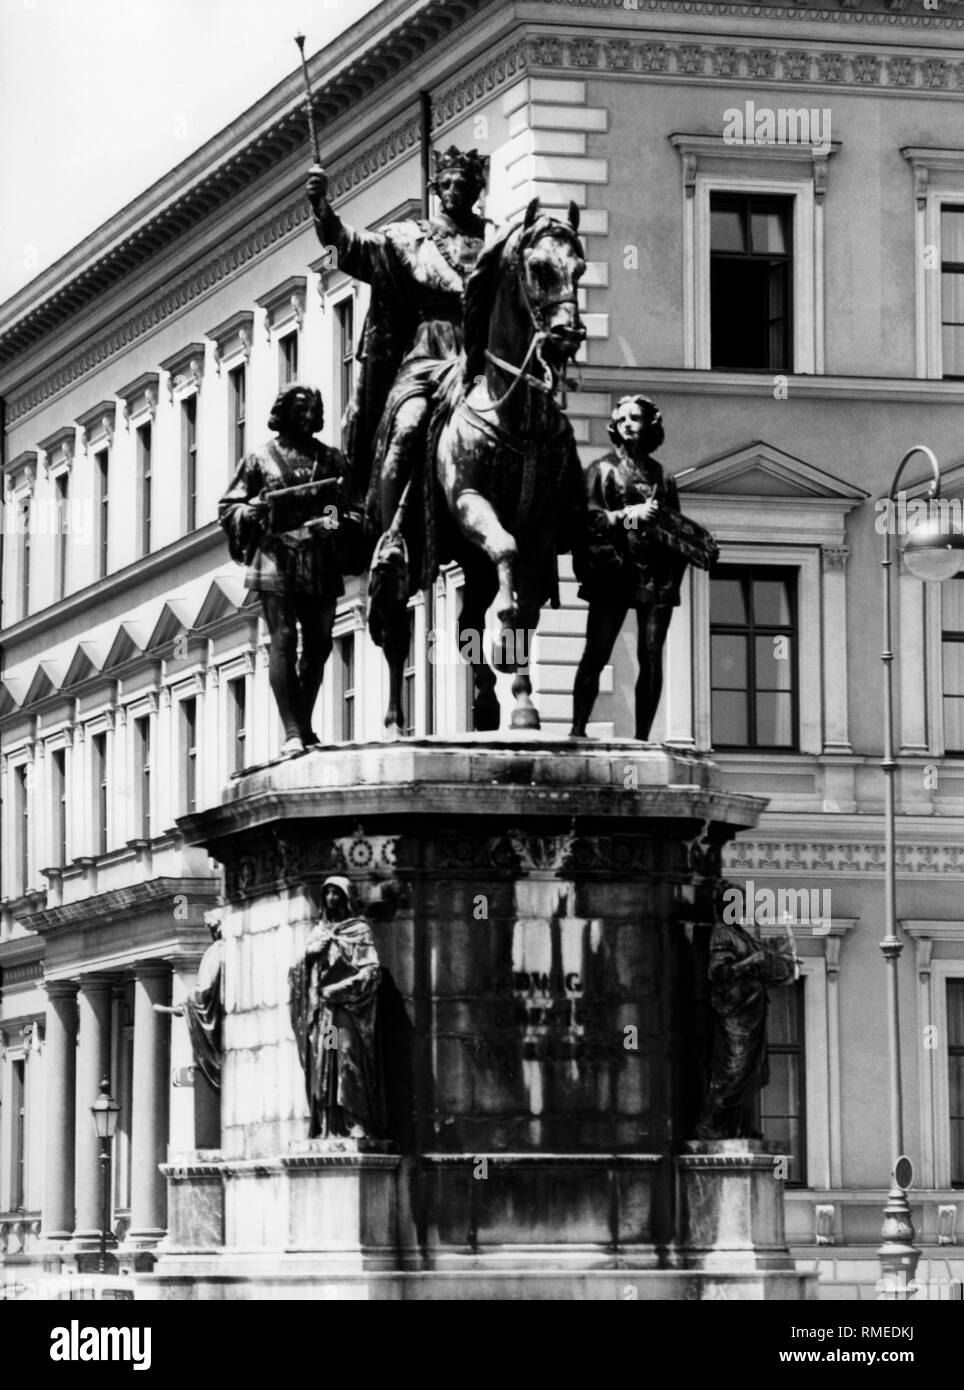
{"x":310,"y":110}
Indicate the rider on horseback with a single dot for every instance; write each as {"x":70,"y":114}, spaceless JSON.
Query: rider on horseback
{"x":417,"y":270}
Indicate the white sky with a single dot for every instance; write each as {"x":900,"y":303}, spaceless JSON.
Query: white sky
{"x":100,"y":98}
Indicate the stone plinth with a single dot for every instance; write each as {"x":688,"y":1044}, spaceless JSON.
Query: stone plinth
{"x":731,"y":1207}
{"x":544,"y":1002}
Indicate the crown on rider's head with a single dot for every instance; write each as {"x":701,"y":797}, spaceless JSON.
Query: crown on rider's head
{"x":470,"y":162}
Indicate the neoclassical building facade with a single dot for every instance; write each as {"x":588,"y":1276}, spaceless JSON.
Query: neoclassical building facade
{"x":794,"y":305}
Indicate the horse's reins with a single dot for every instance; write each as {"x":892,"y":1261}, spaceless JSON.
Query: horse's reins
{"x":548,"y":382}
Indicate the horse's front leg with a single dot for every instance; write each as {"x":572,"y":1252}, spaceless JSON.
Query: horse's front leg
{"x":479,"y":523}
{"x":477,"y":594}
{"x":396,"y":649}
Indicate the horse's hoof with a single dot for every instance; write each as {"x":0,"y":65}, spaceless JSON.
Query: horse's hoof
{"x":525,"y":719}
{"x":485,"y":716}
{"x":291,"y":748}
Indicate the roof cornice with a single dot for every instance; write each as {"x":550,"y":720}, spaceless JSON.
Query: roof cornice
{"x":392,"y":36}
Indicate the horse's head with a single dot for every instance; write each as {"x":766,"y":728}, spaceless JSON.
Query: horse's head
{"x":550,"y":261}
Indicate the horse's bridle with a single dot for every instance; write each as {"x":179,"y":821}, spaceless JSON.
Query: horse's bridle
{"x":539,"y":336}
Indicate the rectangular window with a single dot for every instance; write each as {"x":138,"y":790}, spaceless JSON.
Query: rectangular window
{"x":189,"y":755}
{"x":346,"y":655}
{"x":952,"y":291}
{"x":237,"y":723}
{"x":145,"y":481}
{"x":237,"y":395}
{"x":21,"y":823}
{"x":101,"y":482}
{"x":952,"y":646}
{"x":60,"y":561}
{"x":751,"y":278}
{"x":782,"y":1100}
{"x":58,"y":796}
{"x":24,"y":558}
{"x":753,"y":657}
{"x":98,"y":748}
{"x":955,"y":1061}
{"x":288,"y":359}
{"x":345,"y":315}
{"x":189,"y":445}
{"x":142,"y":775}
{"x":18,"y":1136}
{"x":409,"y":682}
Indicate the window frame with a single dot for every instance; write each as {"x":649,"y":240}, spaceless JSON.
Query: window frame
{"x":102,"y":505}
{"x":100,"y":791}
{"x":188,"y":753}
{"x":806,"y":560}
{"x":237,"y":419}
{"x":345,"y":370}
{"x":745,"y":203}
{"x":62,"y":503}
{"x":774,"y":1049}
{"x":238,"y":741}
{"x":800,"y":171}
{"x":287,"y":342}
{"x":347,"y":709}
{"x":144,"y":446}
{"x":59,"y":795}
{"x":189,"y":461}
{"x":790,"y":573}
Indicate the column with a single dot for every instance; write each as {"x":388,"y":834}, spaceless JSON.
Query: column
{"x":59,"y":1067}
{"x":836,"y":737}
{"x":93,"y":1064}
{"x":149,"y":1108}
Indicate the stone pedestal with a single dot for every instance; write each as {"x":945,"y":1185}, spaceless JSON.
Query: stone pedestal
{"x":532,"y":904}
{"x":731,"y":1207}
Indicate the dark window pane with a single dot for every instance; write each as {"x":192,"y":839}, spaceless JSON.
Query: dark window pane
{"x":955,"y":1013}
{"x":954,"y":724}
{"x":952,"y":234}
{"x":728,"y":662}
{"x":771,"y":602}
{"x":727,"y":604}
{"x":729,"y":718}
{"x":954,"y":668}
{"x":952,"y":351}
{"x":952,"y":607}
{"x":726,"y":229}
{"x":768,"y":231}
{"x":774,"y":720}
{"x":952,"y":296}
{"x":739,"y":314}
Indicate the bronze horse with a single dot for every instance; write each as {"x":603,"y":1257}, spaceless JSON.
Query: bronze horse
{"x":504,"y":455}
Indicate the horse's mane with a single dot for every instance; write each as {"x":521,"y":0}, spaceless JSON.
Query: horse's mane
{"x":479,"y":297}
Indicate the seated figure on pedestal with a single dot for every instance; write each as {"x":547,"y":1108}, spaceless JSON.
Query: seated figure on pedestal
{"x":741,"y":970}
{"x":334,"y":991}
{"x":634,"y":554}
{"x":283,"y":513}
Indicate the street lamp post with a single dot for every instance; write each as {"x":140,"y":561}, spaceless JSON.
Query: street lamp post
{"x":934,"y":554}
{"x":104,"y":1110}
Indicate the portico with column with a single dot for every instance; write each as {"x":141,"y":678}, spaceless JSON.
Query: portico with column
{"x":102,"y":1021}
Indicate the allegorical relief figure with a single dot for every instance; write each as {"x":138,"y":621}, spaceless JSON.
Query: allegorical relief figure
{"x":284,"y":513}
{"x":634,"y":555}
{"x":334,"y":991}
{"x":742,"y":968}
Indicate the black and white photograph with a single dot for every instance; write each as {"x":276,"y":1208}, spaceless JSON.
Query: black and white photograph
{"x":482,"y":659}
